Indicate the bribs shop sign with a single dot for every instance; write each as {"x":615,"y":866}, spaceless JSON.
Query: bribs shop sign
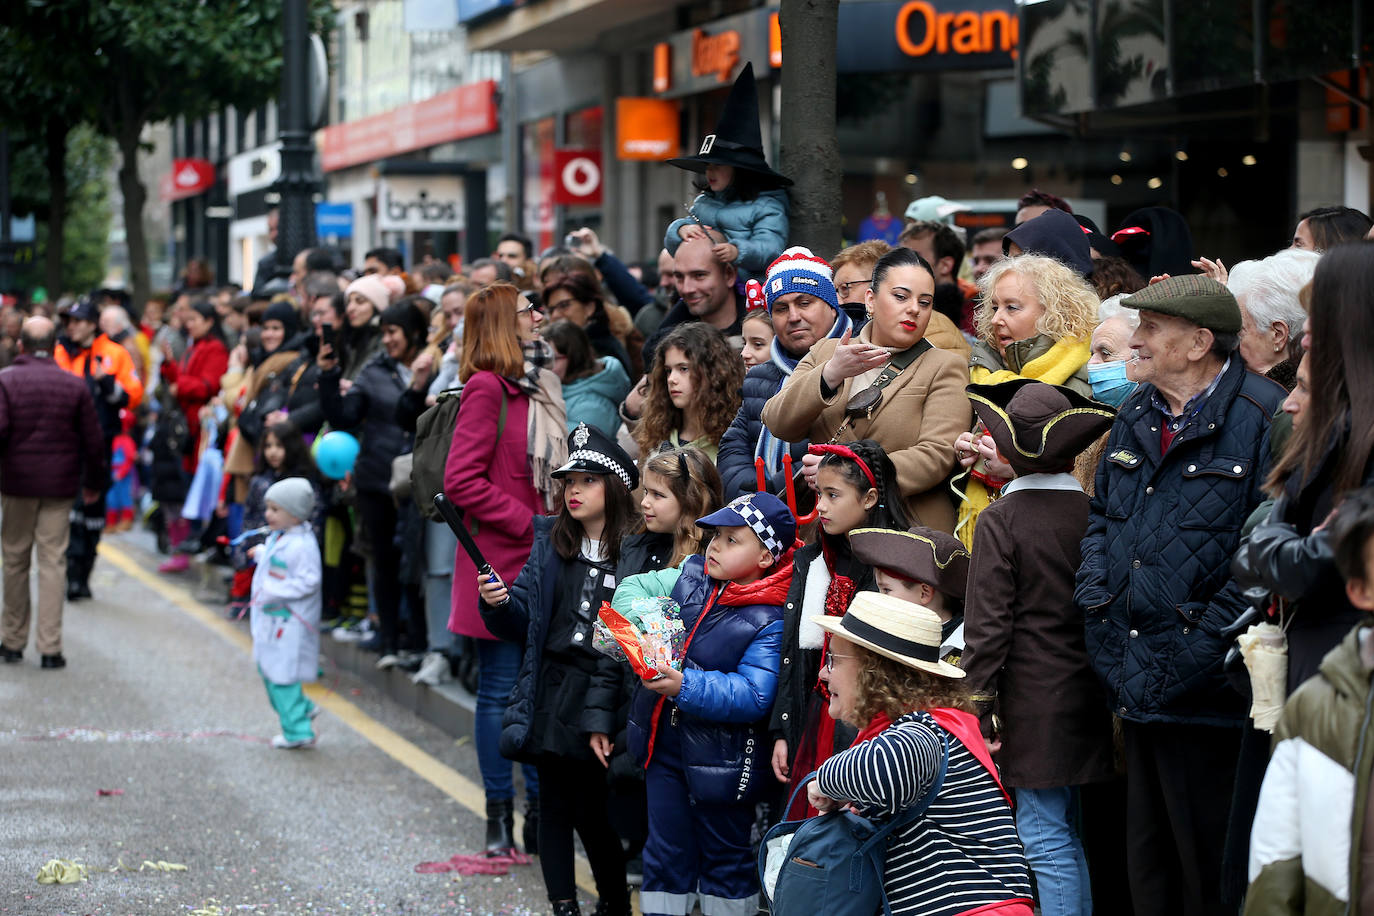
{"x":431,"y":202}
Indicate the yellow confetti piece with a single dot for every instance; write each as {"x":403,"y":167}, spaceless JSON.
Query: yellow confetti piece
{"x":160,"y":865}
{"x":61,"y":871}
{"x":210,"y":908}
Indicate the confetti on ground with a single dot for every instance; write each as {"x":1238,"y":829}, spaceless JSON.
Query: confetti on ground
{"x":475,"y":865}
{"x":61,"y":871}
{"x":109,"y":791}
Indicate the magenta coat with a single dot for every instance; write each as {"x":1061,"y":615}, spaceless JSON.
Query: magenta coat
{"x":489,"y":480}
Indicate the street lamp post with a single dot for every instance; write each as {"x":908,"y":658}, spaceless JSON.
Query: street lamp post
{"x":298,"y":183}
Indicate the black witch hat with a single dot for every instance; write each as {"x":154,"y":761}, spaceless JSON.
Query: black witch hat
{"x":737,"y":140}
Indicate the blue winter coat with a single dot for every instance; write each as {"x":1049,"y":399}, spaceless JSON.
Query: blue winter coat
{"x":595,"y":400}
{"x":1155,"y":581}
{"x":758,"y":227}
{"x":729,"y":679}
{"x":735,"y":457}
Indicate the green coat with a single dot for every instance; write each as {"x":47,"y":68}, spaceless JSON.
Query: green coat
{"x":1305,"y":843}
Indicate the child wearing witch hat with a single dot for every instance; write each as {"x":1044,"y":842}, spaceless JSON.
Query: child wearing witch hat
{"x":742,"y":209}
{"x":1026,"y":656}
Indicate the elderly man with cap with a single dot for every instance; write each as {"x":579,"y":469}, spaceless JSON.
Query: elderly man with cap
{"x":1184,"y":466}
{"x":799,"y":293}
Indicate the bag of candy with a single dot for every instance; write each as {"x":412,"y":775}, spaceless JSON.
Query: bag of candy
{"x":649,"y":634}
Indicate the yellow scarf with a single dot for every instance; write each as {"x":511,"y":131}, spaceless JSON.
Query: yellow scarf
{"x":1055,"y":367}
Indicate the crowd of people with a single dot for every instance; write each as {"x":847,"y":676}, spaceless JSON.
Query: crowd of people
{"x":960,"y":527}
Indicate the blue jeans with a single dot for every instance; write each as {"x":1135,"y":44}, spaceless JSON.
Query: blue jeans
{"x":1044,"y":819}
{"x":440,"y":543}
{"x":498,"y":663}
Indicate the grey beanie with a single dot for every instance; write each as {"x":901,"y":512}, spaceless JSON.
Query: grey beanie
{"x":294,"y":495}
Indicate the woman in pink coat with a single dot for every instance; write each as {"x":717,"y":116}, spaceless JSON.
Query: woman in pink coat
{"x":499,"y":481}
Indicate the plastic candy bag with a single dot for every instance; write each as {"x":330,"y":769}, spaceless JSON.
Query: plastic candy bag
{"x":650,"y":634}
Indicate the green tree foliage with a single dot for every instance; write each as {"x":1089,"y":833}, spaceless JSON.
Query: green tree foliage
{"x":121,"y":64}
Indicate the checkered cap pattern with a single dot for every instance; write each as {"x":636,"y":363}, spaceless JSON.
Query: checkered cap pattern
{"x":600,"y":459}
{"x":759,"y":524}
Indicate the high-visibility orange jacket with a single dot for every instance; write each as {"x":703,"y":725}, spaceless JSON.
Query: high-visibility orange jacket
{"x":113,"y":359}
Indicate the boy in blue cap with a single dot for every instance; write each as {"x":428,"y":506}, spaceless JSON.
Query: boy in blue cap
{"x":701,"y":733}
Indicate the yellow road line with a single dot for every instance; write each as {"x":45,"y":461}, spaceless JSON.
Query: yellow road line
{"x":429,"y":768}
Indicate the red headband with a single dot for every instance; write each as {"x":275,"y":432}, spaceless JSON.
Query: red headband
{"x":845,"y":451}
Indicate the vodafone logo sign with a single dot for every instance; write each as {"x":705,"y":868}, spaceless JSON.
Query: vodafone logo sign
{"x":578,"y":173}
{"x":188,"y":178}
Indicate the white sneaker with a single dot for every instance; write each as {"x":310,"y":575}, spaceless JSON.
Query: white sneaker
{"x":281,"y":743}
{"x":434,"y":670}
{"x":356,"y":633}
{"x":390,"y":660}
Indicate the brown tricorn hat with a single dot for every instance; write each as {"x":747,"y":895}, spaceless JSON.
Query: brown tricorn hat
{"x":1039,"y":428}
{"x":922,"y":554}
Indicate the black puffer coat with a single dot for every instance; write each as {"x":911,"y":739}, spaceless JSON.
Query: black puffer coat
{"x":369,"y":410}
{"x":1155,"y":584}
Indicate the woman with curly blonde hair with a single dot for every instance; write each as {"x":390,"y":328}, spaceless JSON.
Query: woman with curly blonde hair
{"x":884,"y":676}
{"x":1036,"y":321}
{"x":694,"y":390}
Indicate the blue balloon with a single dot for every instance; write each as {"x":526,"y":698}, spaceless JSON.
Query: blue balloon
{"x":335,"y":454}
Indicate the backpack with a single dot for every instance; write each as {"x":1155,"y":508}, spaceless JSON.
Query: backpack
{"x":433,"y":436}
{"x":834,"y":863}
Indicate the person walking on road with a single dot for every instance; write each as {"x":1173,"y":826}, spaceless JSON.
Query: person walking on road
{"x":51,"y":447}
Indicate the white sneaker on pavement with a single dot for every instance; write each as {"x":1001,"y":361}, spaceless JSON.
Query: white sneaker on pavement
{"x":434,"y":670}
{"x":282,"y":743}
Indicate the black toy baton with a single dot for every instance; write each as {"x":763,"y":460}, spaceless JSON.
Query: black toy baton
{"x":455,"y":521}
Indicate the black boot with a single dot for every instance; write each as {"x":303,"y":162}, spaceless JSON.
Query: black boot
{"x":500,"y":826}
{"x":566,"y":908}
{"x":531,"y":832}
{"x":617,"y":907}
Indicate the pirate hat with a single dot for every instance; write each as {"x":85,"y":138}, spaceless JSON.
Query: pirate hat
{"x":737,"y":140}
{"x":921,"y":554}
{"x":594,"y":452}
{"x":1039,"y":428}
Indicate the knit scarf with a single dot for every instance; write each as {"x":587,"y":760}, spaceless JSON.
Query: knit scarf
{"x":1055,"y":367}
{"x":769,"y":447}
{"x":547,"y":431}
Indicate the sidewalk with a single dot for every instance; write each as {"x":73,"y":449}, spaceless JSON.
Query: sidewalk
{"x":448,"y":707}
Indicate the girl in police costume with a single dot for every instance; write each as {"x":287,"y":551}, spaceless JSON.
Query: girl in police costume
{"x":551,"y":609}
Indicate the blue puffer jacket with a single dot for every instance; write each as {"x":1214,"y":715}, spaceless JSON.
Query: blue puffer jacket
{"x":1155,"y":583}
{"x":729,"y":680}
{"x":758,"y":227}
{"x":595,"y":400}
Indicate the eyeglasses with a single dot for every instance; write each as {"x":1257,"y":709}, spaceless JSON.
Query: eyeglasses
{"x":830,"y":660}
{"x":844,"y":288}
{"x":529,"y":309}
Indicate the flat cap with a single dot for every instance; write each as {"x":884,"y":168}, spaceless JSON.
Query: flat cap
{"x":1201,"y":300}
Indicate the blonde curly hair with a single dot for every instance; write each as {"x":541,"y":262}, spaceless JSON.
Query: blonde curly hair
{"x":1070,"y":302}
{"x":890,"y":687}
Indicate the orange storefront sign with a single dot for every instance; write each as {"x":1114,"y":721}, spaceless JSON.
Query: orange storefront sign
{"x":715,"y":54}
{"x":646,"y":130}
{"x":921,"y":30}
{"x":465,"y":111}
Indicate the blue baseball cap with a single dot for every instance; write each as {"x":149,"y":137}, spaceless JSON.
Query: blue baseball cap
{"x":762,"y":513}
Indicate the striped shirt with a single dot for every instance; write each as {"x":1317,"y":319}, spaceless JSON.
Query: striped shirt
{"x":964,"y":852}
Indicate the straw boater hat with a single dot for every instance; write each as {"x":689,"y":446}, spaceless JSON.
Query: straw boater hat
{"x":921,"y":554}
{"x":1039,"y":428}
{"x":900,"y":630}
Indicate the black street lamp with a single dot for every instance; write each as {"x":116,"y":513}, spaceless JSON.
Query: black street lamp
{"x":298,"y":183}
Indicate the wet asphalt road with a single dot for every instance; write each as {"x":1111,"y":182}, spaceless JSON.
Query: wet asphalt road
{"x":161,"y":703}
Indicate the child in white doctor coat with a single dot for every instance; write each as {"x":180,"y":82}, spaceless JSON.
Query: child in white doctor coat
{"x":286,"y":609}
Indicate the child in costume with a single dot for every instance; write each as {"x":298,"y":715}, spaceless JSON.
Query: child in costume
{"x":742,"y":208}
{"x":286,"y":609}
{"x":1026,"y":656}
{"x":856,"y":487}
{"x":574,"y":565}
{"x":923,"y":566}
{"x":701,"y":732}
{"x":119,"y":500}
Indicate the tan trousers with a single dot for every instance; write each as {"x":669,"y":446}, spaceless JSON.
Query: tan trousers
{"x":25,"y":523}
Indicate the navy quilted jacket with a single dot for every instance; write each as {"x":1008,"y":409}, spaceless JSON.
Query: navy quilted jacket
{"x":1155,"y":584}
{"x":735,"y":459}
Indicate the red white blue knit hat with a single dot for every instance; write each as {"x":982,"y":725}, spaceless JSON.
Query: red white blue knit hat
{"x":797,"y":270}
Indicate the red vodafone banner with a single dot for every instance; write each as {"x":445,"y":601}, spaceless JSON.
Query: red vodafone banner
{"x":577,"y":177}
{"x":188,"y":178}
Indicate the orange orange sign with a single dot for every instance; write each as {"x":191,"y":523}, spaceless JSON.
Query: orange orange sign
{"x":716,"y":54}
{"x":774,"y":41}
{"x":646,"y":130}
{"x":663,"y":67}
{"x":958,"y":33}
